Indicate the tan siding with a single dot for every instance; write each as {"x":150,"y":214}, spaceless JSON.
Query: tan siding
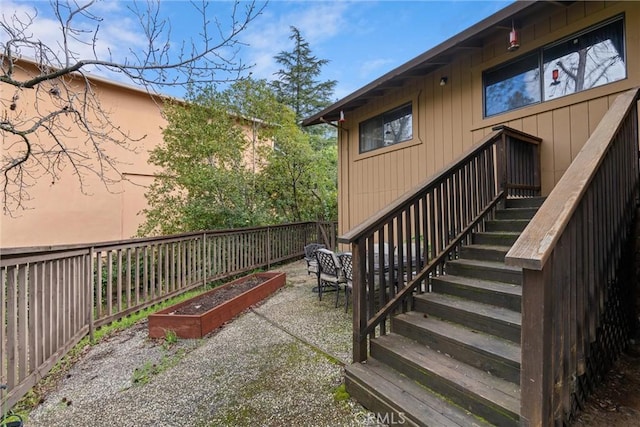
{"x":562,"y":142}
{"x":547,"y":161}
{"x":467,"y":107}
{"x":579,"y":128}
{"x":449,"y":120}
{"x":597,"y":108}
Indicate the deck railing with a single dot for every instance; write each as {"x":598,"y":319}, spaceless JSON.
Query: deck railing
{"x":396,"y":251}
{"x":50,"y":298}
{"x":576,"y":254}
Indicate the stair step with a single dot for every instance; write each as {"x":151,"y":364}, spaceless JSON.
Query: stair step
{"x":496,"y":238}
{"x":514,"y":225}
{"x":492,"y":398}
{"x":501,"y":294}
{"x":486,"y":352}
{"x":486,"y":270}
{"x":525,"y":202}
{"x":388,"y":393}
{"x":491,"y":319}
{"x":516,"y":213}
{"x":484,"y":252}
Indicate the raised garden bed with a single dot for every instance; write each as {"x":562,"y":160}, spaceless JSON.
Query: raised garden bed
{"x":197,"y":316}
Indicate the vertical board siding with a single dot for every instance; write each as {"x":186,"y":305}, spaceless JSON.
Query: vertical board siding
{"x":50,"y":299}
{"x":399,"y":248}
{"x":449,"y":119}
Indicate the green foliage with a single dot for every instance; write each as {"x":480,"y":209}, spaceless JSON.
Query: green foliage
{"x":300,"y":181}
{"x":204,"y":182}
{"x":170,"y":338}
{"x":340,"y":394}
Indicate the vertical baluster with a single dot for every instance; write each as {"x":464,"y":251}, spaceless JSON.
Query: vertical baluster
{"x":4,"y":322}
{"x":119,"y":280}
{"x":23,"y":326}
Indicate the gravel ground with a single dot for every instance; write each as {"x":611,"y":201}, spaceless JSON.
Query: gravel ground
{"x":278,"y":364}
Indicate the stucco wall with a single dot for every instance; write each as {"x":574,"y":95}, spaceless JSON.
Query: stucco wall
{"x":59,"y":211}
{"x":449,"y":119}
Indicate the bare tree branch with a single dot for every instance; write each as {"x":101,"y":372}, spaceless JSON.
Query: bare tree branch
{"x":51,"y":118}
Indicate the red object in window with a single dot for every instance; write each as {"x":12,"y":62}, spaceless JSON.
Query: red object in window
{"x":555,"y":74}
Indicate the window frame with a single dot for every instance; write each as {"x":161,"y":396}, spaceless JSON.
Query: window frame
{"x":539,"y":54}
{"x":381,"y":118}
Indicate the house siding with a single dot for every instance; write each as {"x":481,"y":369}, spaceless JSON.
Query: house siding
{"x":449,"y":119}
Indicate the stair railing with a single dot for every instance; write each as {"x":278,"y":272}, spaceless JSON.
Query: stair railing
{"x":575,"y":296}
{"x":398,"y":249}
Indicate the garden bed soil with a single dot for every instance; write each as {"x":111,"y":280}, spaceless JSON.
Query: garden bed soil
{"x":206,"y":302}
{"x":197,"y":316}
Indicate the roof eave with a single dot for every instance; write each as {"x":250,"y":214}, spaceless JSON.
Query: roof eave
{"x":329,"y":113}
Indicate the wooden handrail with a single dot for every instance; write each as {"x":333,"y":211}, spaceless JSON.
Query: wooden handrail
{"x":410,"y":196}
{"x":399,"y":248}
{"x":394,"y":207}
{"x":537,"y":241}
{"x":137,"y":241}
{"x":577,"y":255}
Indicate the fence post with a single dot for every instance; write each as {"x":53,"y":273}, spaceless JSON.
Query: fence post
{"x":91,"y":287}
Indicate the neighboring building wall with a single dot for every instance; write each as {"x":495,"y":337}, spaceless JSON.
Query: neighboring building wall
{"x":59,"y":213}
{"x":449,"y":119}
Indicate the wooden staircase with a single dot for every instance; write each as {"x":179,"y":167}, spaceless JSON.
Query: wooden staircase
{"x":455,"y":359}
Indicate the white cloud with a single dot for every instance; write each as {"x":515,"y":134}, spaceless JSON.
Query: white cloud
{"x":374,"y":67}
{"x":318,"y":22}
{"x":116,"y":33}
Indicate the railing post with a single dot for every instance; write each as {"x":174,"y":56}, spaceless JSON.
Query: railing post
{"x":535,"y":374}
{"x":359,"y":303}
{"x":537,"y":176}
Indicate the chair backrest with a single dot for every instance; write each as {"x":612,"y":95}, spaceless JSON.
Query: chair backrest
{"x":328,"y":261}
{"x":311,"y":248}
{"x":347,"y":265}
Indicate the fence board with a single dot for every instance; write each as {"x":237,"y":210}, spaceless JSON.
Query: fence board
{"x":50,"y":299}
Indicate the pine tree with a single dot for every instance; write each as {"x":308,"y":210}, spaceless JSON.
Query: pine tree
{"x":297,"y":85}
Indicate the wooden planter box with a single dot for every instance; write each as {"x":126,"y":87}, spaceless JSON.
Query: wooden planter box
{"x":197,"y":326}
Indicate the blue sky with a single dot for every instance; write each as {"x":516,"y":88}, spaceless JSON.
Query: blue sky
{"x":361,"y":39}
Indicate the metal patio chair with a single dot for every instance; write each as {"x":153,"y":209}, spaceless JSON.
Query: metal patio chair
{"x":346,"y":259}
{"x":330,"y":271}
{"x":310,"y":257}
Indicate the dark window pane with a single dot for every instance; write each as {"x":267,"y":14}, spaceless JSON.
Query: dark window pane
{"x":585,"y":61}
{"x":398,"y":125}
{"x":371,"y":136}
{"x":388,"y":128}
{"x":512,"y":86}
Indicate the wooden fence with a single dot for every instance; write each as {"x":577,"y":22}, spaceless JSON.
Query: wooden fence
{"x":576,"y":255}
{"x":50,"y":298}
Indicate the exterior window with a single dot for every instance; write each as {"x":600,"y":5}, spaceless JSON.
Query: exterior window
{"x":582,"y":61}
{"x":512,"y":86}
{"x":386,"y":129}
